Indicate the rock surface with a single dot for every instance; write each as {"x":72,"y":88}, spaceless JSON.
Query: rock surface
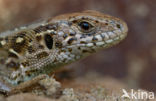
{"x":88,"y":88}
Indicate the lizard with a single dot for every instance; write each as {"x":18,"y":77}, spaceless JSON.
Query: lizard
{"x":40,"y":48}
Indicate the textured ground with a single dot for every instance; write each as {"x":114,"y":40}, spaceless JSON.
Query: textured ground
{"x":92,"y":87}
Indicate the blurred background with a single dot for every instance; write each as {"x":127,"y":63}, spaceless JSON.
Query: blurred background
{"x":133,"y":61}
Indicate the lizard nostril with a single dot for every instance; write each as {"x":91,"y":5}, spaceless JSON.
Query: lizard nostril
{"x":118,"y":26}
{"x":106,"y":24}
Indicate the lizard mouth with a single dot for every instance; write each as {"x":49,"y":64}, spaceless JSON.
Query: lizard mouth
{"x":103,"y":43}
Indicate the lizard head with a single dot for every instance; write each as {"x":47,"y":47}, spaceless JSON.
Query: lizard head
{"x":89,"y":31}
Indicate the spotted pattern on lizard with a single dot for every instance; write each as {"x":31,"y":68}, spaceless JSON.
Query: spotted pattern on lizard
{"x":41,"y":47}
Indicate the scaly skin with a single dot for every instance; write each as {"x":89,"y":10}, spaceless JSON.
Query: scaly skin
{"x":41,"y":47}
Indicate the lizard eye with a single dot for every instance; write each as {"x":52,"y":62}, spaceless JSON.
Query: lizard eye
{"x":85,"y":26}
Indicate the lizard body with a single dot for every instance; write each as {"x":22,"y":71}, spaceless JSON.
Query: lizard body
{"x":38,"y":48}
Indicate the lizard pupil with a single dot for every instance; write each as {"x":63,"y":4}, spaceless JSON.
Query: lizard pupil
{"x":85,"y":25}
{"x":48,"y":41}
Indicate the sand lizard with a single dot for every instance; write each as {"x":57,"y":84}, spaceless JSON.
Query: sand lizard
{"x":39,"y":48}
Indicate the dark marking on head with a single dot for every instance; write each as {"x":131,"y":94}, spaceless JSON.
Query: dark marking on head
{"x":83,"y":36}
{"x":20,"y":81}
{"x":13,"y":65}
{"x":22,"y":34}
{"x":48,"y":41}
{"x":18,"y":42}
{"x":79,"y":48}
{"x":10,"y":54}
{"x":58,"y":44}
{"x":62,"y":50}
{"x":42,"y":55}
{"x":28,"y":73}
{"x":69,"y":23}
{"x":94,"y":39}
{"x":96,"y":21}
{"x":25,"y":64}
{"x":89,"y":34}
{"x":82,"y":42}
{"x":43,"y":28}
{"x":30,"y":40}
{"x":41,"y":47}
{"x":106,"y":24}
{"x":64,"y":60}
{"x":85,"y":51}
{"x":40,"y":29}
{"x":74,"y":21}
{"x":51,"y":26}
{"x":71,"y":17}
{"x":53,"y":33}
{"x":55,"y":60}
{"x":38,"y":38}
{"x":14,"y":78}
{"x":31,"y":49}
{"x":102,"y":36}
{"x":65,"y":36}
{"x":118,"y":26}
{"x":69,"y":49}
{"x":72,"y":33}
{"x":94,"y":43}
{"x":88,"y":51}
{"x":83,"y":18}
{"x":71,"y":40}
